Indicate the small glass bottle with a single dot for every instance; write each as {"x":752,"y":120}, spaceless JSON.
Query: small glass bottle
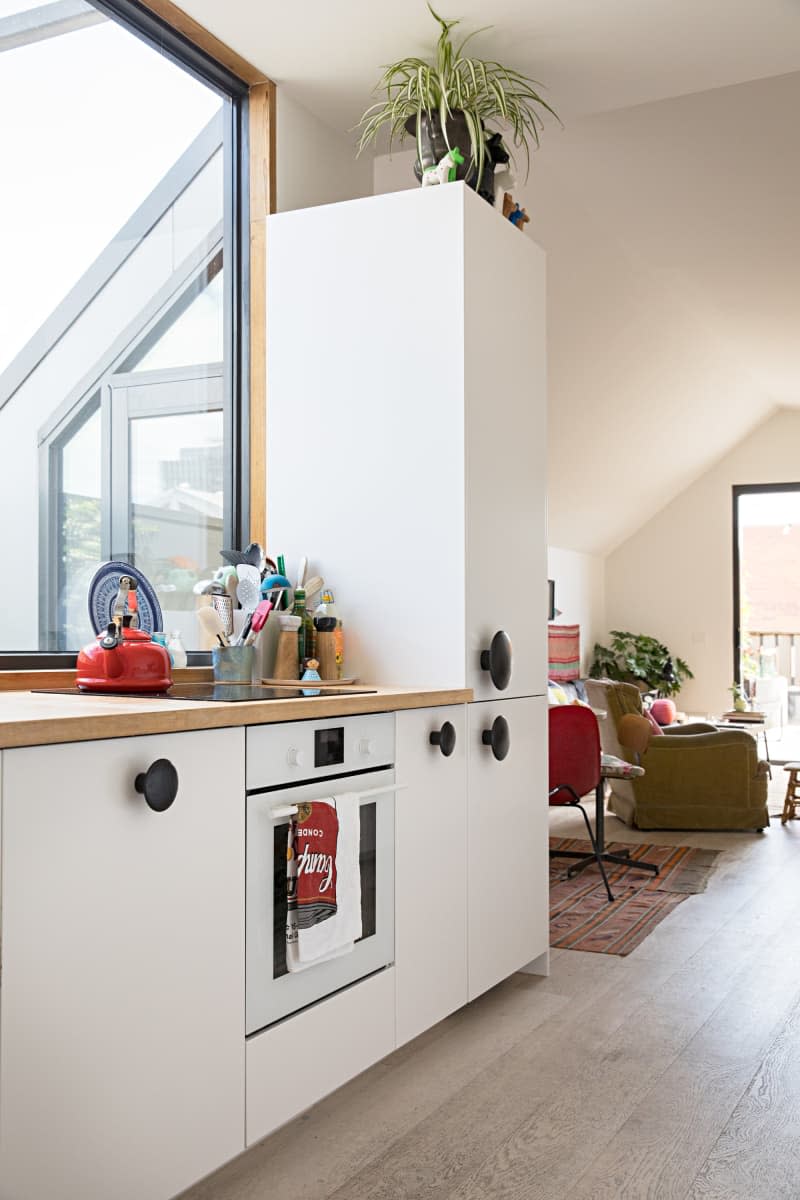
{"x":177,"y":650}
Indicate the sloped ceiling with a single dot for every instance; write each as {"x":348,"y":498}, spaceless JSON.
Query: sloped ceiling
{"x":674,"y":306}
{"x":593,"y":56}
{"x":668,"y":206}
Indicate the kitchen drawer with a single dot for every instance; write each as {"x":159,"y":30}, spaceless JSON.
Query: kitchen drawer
{"x":296,"y":1063}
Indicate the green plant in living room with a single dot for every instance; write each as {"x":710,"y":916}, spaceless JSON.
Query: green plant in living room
{"x":637,"y":658}
{"x":739,"y":698}
{"x":446,"y":102}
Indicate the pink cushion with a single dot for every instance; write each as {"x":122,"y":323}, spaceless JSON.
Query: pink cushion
{"x":664,"y":711}
{"x":656,"y":727}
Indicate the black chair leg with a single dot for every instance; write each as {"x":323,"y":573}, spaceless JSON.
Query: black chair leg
{"x":595,"y":851}
{"x":575,"y":853}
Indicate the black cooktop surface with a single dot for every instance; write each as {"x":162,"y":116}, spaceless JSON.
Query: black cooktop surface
{"x":228,"y":693}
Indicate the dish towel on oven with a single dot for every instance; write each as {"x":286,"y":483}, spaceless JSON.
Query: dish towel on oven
{"x":323,"y":881}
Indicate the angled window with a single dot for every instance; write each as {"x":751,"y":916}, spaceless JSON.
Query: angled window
{"x":120,"y":396}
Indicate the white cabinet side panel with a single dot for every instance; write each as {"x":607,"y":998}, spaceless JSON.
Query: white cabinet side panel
{"x":365,"y":449}
{"x":505,"y":387}
{"x":508,"y":842}
{"x":122,"y":1044}
{"x":430,"y":871}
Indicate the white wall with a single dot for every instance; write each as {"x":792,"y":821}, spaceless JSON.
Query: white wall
{"x":314,"y":164}
{"x":580,"y":595}
{"x":674,"y":577}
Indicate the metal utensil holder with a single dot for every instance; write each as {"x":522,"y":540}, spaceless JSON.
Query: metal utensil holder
{"x":233,"y":664}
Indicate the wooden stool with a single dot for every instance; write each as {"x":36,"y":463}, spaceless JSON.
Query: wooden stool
{"x":792,"y":793}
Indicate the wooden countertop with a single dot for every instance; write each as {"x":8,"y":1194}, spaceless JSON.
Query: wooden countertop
{"x":39,"y":719}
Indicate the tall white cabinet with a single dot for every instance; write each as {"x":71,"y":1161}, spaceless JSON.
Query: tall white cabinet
{"x":407,"y":459}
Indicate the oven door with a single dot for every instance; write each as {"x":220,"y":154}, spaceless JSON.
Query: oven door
{"x":272,"y":992}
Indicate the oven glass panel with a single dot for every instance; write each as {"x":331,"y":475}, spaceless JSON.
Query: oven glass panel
{"x":367,"y":864}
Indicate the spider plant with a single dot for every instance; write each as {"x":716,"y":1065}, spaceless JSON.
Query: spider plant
{"x":483,"y":90}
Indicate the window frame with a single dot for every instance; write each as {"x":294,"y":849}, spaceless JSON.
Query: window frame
{"x":249,"y":148}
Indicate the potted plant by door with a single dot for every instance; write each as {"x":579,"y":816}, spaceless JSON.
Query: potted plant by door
{"x":446,"y":104}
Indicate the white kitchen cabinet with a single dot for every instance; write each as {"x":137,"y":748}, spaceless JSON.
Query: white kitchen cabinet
{"x":430,"y":868}
{"x":122,"y":1017}
{"x":508,"y":845}
{"x":406,"y":456}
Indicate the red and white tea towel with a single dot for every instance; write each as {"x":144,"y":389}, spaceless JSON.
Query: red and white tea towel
{"x":323,"y":881}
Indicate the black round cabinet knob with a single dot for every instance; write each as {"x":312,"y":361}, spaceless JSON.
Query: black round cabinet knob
{"x":498,"y":737}
{"x":158,"y":784}
{"x":497,"y":660}
{"x":444,"y":738}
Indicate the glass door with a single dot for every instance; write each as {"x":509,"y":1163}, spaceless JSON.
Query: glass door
{"x":168,"y":482}
{"x":767,"y":608}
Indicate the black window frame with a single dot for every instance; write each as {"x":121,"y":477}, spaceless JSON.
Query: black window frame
{"x":162,"y":37}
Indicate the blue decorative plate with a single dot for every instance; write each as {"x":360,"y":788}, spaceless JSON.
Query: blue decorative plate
{"x":103,"y":592}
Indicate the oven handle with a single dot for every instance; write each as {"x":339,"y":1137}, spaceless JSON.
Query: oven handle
{"x":285,"y":810}
{"x":291,"y":810}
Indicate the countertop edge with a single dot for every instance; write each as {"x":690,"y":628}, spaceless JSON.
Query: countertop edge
{"x":56,"y":728}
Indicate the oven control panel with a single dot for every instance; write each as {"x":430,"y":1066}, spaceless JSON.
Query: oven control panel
{"x":301,"y":751}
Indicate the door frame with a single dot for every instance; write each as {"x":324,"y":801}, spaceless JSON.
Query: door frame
{"x":745,"y":489}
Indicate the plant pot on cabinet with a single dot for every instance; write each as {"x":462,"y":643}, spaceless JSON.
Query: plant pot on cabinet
{"x":434,"y":145}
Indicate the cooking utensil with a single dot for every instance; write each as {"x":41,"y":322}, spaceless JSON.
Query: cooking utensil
{"x":248,"y":590}
{"x":258,"y":622}
{"x":302,"y":571}
{"x":314,"y":586}
{"x":212,"y":625}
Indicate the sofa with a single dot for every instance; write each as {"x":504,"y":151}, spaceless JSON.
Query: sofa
{"x":696,"y":776}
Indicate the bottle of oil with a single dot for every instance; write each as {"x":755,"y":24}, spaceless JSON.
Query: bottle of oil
{"x":306,"y":630}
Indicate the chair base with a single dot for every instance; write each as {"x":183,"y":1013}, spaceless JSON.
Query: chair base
{"x":596,"y":855}
{"x":623,"y":859}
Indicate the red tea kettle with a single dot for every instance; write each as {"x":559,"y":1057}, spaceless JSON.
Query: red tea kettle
{"x":123,"y":658}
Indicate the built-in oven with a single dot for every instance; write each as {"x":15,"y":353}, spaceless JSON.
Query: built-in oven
{"x":289,"y":766}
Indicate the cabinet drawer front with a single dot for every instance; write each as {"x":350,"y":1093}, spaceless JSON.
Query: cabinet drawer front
{"x":508,"y":858}
{"x":430,"y":868}
{"x":122,"y":1027}
{"x":292,"y":1065}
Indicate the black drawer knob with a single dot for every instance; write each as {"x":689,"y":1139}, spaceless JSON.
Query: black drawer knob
{"x":158,"y":784}
{"x":498,"y":737}
{"x":497,"y":660}
{"x":444,"y":738}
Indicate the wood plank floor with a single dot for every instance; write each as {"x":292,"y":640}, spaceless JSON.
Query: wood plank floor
{"x":672,"y":1074}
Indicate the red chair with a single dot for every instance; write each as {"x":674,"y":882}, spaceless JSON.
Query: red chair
{"x":574,"y":758}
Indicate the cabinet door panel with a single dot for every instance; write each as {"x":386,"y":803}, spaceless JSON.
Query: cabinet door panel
{"x":122,"y":1019}
{"x":508,"y":860}
{"x":431,"y":871}
{"x":505,"y":405}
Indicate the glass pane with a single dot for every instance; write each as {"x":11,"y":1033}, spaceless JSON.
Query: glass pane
{"x":176,"y":508}
{"x":111,"y":208}
{"x":81,"y":512}
{"x":195,"y":337}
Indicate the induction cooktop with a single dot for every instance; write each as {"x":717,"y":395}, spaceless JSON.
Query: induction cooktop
{"x":227,"y":693}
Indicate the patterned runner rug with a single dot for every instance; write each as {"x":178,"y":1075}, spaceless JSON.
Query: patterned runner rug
{"x":581,"y":917}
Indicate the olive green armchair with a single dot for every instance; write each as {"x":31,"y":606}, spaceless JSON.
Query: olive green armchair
{"x":696,"y":776}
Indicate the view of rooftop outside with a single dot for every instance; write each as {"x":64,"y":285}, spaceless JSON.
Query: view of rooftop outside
{"x":112,"y":426}
{"x":769,"y":581}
